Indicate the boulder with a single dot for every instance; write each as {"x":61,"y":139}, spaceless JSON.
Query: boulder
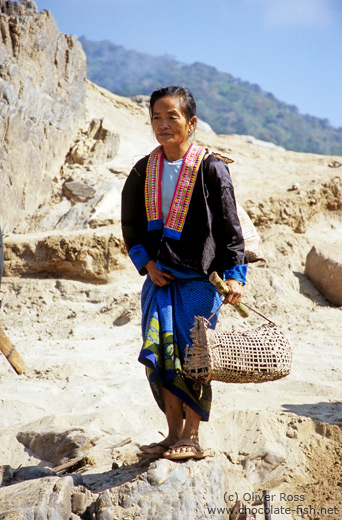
{"x":42,"y":105}
{"x":298,"y":207}
{"x":48,"y":497}
{"x":161,"y":489}
{"x":86,"y":255}
{"x":56,"y":448}
{"x":78,"y":191}
{"x":324,"y":268}
{"x":95,"y":144}
{"x":174,"y":491}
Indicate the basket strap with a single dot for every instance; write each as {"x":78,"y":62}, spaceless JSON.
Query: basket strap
{"x":259,"y":314}
{"x":249,"y":307}
{"x":215,"y":312}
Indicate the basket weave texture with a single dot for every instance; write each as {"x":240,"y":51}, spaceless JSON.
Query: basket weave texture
{"x":254,"y":356}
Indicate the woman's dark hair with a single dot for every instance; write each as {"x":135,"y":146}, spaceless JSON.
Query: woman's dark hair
{"x":186,"y":96}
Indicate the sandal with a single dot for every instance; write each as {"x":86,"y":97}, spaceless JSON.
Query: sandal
{"x":195,"y":451}
{"x":145,"y":454}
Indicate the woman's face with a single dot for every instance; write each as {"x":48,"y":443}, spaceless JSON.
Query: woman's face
{"x":169,"y":123}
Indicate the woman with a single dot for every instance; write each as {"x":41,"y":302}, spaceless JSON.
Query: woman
{"x":179,"y":223}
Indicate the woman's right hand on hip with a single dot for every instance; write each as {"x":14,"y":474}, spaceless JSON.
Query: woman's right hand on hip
{"x":158,"y":277}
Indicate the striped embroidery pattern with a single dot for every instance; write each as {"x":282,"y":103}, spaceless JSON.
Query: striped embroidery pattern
{"x":184,"y":188}
{"x":154,"y":170}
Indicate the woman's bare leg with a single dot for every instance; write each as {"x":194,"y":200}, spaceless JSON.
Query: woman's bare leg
{"x":190,"y":434}
{"x":192,"y":424}
{"x":174,"y":416}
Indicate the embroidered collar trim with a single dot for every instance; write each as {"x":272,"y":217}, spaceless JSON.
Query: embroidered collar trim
{"x":175,"y":220}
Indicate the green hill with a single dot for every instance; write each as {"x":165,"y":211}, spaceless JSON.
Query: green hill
{"x":229,"y":105}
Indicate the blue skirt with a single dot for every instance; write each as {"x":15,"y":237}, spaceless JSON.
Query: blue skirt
{"x":167,"y":316}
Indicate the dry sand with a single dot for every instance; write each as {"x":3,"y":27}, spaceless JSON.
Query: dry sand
{"x":81,"y":343}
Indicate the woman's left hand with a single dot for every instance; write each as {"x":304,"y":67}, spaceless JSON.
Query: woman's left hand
{"x":235,"y":292}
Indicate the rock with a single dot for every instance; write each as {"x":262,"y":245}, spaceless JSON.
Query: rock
{"x":56,"y":448}
{"x":80,"y":255}
{"x":80,"y":500}
{"x":324,"y":268}
{"x":123,"y":319}
{"x":240,"y":512}
{"x":334,"y":164}
{"x":108,"y":207}
{"x":299,"y":208}
{"x":91,"y":204}
{"x":330,"y":431}
{"x":265,"y":463}
{"x":48,"y":497}
{"x":171,"y":490}
{"x":42,"y":104}
{"x":203,"y":125}
{"x":78,"y":191}
{"x":95,"y":144}
{"x":294,"y":187}
{"x":6,"y":475}
{"x":141,"y":99}
{"x":103,"y":507}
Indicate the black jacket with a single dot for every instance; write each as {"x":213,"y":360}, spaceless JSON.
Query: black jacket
{"x":211,"y":239}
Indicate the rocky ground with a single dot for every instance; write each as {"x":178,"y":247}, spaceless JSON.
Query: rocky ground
{"x":80,"y":341}
{"x":71,"y":425}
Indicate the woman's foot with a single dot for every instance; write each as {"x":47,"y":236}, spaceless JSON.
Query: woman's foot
{"x":155,"y":448}
{"x":185,"y":449}
{"x":158,"y":448}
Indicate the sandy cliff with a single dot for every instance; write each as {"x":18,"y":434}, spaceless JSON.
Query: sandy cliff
{"x":42,"y":105}
{"x":71,"y":306}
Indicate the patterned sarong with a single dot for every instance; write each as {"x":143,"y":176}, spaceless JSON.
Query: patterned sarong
{"x":168,"y":315}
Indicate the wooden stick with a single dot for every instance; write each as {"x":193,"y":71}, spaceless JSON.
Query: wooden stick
{"x":122,"y":443}
{"x":224,"y":289}
{"x":267,"y":505}
{"x":11,"y":354}
{"x":73,"y":464}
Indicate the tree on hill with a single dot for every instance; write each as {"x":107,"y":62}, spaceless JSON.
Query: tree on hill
{"x":229,"y":105}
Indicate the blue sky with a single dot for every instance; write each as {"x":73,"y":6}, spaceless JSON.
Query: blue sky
{"x":292,"y":48}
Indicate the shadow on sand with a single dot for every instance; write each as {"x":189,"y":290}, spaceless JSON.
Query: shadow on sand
{"x":319,"y":412}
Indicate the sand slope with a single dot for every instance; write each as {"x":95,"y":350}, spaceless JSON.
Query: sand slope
{"x":81,"y":341}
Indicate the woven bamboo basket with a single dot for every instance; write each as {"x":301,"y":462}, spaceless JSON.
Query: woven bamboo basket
{"x":254,"y":356}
